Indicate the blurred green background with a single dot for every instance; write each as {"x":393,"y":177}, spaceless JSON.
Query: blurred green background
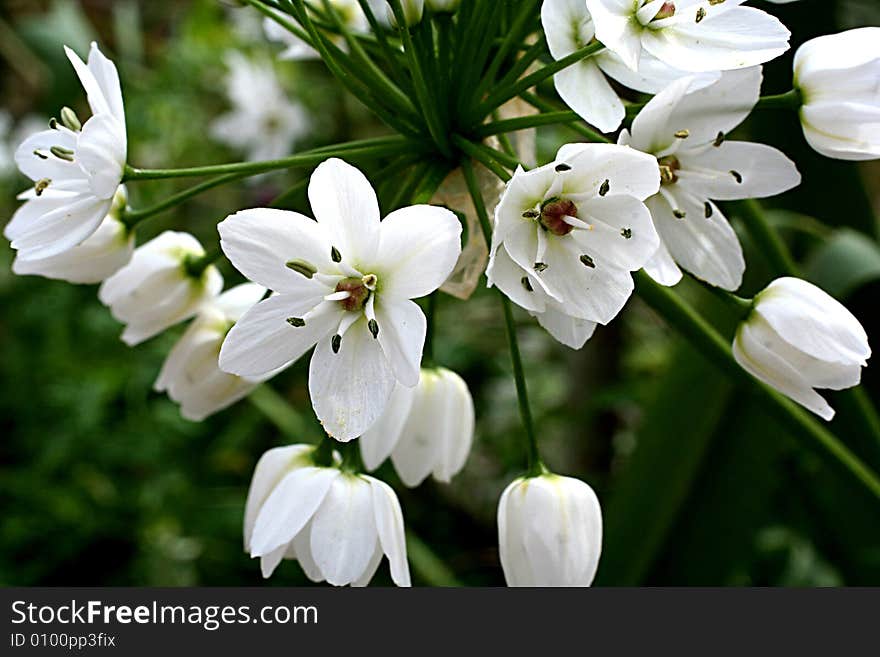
{"x":102,"y":483}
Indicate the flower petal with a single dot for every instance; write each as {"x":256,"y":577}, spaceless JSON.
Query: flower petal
{"x":377,"y":442}
{"x":402,"y":329}
{"x":570,"y":331}
{"x":389,"y":525}
{"x":101,"y":152}
{"x":584,"y":89}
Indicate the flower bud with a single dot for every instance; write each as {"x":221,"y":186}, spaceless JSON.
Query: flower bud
{"x":412,"y":12}
{"x":338,"y":525}
{"x":443,"y":6}
{"x":798,"y":338}
{"x":427,"y":429}
{"x":549,"y":532}
{"x":837,"y":78}
{"x":155,"y":290}
{"x":191,"y":374}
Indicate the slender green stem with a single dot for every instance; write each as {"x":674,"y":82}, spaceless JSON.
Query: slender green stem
{"x":514,"y":35}
{"x":803,"y":427}
{"x":502,"y":95}
{"x":581,"y":128}
{"x":131,"y":218}
{"x":196,"y":265}
{"x":524,"y":122}
{"x":479,"y":153}
{"x":535,"y":466}
{"x":378,"y":147}
{"x":740,"y":306}
{"x":431,"y":316}
{"x":790,"y":100}
{"x":767,"y":240}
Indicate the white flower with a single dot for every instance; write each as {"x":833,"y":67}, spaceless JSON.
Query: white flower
{"x":82,"y":169}
{"x":838,"y":76}
{"x":442,"y":6}
{"x":100,"y":256}
{"x":549,"y":532}
{"x":797,"y":338}
{"x":686,"y":133}
{"x":190,"y":374}
{"x":568,"y":234}
{"x":155,"y":290}
{"x":427,"y":429}
{"x":343,"y":282}
{"x":412,"y":11}
{"x":263,"y":123}
{"x":583,"y":85}
{"x":336,"y":524}
{"x":349,"y":11}
{"x":691,"y":35}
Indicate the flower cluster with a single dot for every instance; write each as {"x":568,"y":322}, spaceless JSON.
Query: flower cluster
{"x":563,"y":241}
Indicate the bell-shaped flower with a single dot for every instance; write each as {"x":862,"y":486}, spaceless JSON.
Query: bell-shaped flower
{"x":344,"y":282}
{"x":583,"y":85}
{"x":686,"y":131}
{"x":690,"y":35}
{"x":100,"y":256}
{"x":425,"y":430}
{"x":156,"y":290}
{"x":191,"y":375}
{"x":549,"y":532}
{"x":797,"y":338}
{"x":77,"y":168}
{"x":264,"y":130}
{"x":568,"y":234}
{"x":838,"y":76}
{"x":338,"y":525}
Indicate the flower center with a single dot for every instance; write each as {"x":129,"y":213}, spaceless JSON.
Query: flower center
{"x":669,"y":167}
{"x":553,"y":213}
{"x":359,"y":290}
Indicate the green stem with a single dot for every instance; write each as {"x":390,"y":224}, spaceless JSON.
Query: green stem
{"x":581,"y":128}
{"x":196,"y":265}
{"x":131,"y":218}
{"x":768,"y":241}
{"x":431,"y":316}
{"x":740,"y":306}
{"x":481,"y":155}
{"x":504,"y":94}
{"x":790,"y":100}
{"x":378,"y":147}
{"x":704,"y":337}
{"x":525,"y":122}
{"x":535,"y":466}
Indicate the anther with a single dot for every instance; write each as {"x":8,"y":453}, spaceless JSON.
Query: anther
{"x":539,"y":266}
{"x":561,"y":168}
{"x":335,"y":343}
{"x":335,"y":255}
{"x":587,"y":261}
{"x":667,"y":175}
{"x":531,"y":214}
{"x":605,"y":187}
{"x":373,"y":325}
{"x":296,"y":322}
{"x":302,"y":267}
{"x":70,"y":119}
{"x":679,"y":214}
{"x":737,"y":176}
{"x":62,"y":153}
{"x":41,"y":185}
{"x":53,"y":123}
{"x":715,"y":2}
{"x":701,"y":14}
{"x":40,"y":155}
{"x":707,"y":207}
{"x":527,"y":284}
{"x":370,"y":281}
{"x":719,"y":139}
{"x":666,"y":10}
{"x":627,"y":233}
{"x":682,"y":134}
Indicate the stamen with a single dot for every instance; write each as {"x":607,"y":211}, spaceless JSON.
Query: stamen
{"x":345,"y":323}
{"x":335,"y":343}
{"x":682,"y":134}
{"x":701,"y":14}
{"x":719,"y":139}
{"x":715,"y":2}
{"x":296,"y":322}
{"x":527,"y":284}
{"x":53,"y":123}
{"x":667,"y":9}
{"x":303,"y":267}
{"x":587,"y":261}
{"x":679,"y":214}
{"x":605,"y":187}
{"x":337,"y":296}
{"x":531,"y":214}
{"x":335,"y":255}
{"x":373,"y":325}
{"x":561,"y":168}
{"x":370,"y":281}
{"x":539,"y":266}
{"x":627,"y":233}
{"x":542,"y":247}
{"x":40,"y":155}
{"x":737,"y":176}
{"x":707,"y":207}
{"x":62,"y":153}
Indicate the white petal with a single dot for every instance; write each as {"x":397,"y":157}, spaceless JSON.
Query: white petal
{"x":570,"y":331}
{"x":97,"y":100}
{"x":263,"y":340}
{"x":377,"y":442}
{"x":662,"y":268}
{"x":740,"y":37}
{"x":617,"y":28}
{"x":622,"y":232}
{"x":289,"y":507}
{"x":101,"y":152}
{"x":402,"y":329}
{"x":424,"y":433}
{"x":457,"y":434}
{"x":269,"y":562}
{"x":508,"y":276}
{"x":418,"y":248}
{"x":567,"y":25}
{"x":62,"y":228}
{"x":350,"y":389}
{"x":55,"y":169}
{"x":584,"y":89}
{"x":343,"y":532}
{"x":389,"y":524}
{"x":511,"y":547}
{"x":706,"y":247}
{"x":271,"y":468}
{"x":233,"y":303}
{"x":762,"y":171}
{"x":345,"y":205}
{"x":653,"y":75}
{"x":628,"y":171}
{"x":107,"y":79}
{"x":261,"y":241}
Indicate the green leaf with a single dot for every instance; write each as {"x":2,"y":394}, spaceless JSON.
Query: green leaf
{"x":844,"y":263}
